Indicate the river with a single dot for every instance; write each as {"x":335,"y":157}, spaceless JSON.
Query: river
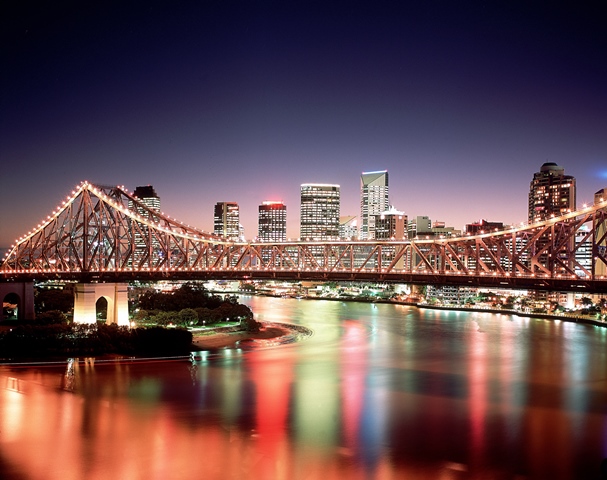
{"x":377,"y":392}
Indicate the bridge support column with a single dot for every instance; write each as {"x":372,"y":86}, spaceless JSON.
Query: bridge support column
{"x":85,"y":300}
{"x":25,"y":305}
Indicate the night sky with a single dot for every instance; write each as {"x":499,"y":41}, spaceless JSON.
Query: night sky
{"x":244,"y":101}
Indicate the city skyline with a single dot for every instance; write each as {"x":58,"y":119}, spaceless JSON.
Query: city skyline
{"x":245,"y":102}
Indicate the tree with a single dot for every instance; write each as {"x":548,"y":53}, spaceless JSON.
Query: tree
{"x":188,"y":316}
{"x":46,"y":300}
{"x":52,"y":317}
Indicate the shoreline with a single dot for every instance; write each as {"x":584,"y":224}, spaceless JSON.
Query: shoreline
{"x":271,"y":333}
{"x":545,"y":316}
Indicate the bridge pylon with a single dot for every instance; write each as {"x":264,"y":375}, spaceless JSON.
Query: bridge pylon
{"x":85,"y":301}
{"x":25,"y":293}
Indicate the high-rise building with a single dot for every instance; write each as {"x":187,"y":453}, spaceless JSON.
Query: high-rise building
{"x":348,"y":227}
{"x":146,"y":195}
{"x":373,"y":201}
{"x":390,"y":224}
{"x":319,"y":211}
{"x":551,"y":193}
{"x":142,"y":255}
{"x":226,"y":220}
{"x":272,"y":222}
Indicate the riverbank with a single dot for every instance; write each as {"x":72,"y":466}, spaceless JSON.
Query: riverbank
{"x":565,"y":317}
{"x":226,"y":337}
{"x":547,"y":316}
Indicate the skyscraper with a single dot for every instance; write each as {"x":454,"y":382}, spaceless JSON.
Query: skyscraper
{"x":373,"y":201}
{"x":226,"y":220}
{"x":146,"y":195}
{"x":319,"y":211}
{"x":144,"y":253}
{"x":272,"y":222}
{"x":551,"y":193}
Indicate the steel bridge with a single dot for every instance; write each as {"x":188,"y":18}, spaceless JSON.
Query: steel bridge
{"x":103,"y":234}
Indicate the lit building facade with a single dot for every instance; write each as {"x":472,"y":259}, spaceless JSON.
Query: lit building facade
{"x":374,"y":200}
{"x":226,"y":220}
{"x":272,"y":222}
{"x":551,"y":193}
{"x":148,"y":197}
{"x":420,"y":225}
{"x":483,"y":226}
{"x":390,"y":224}
{"x":319,"y":211}
{"x":348,"y":227}
{"x":600,"y":268}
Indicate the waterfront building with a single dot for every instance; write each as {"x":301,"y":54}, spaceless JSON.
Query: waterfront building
{"x":319,"y":211}
{"x":373,"y":201}
{"x":226,"y":220}
{"x":451,"y":294}
{"x":551,"y":193}
{"x":348,"y":227}
{"x":272,"y":222}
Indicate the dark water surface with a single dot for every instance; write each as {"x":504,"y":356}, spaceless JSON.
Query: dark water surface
{"x":377,"y":392}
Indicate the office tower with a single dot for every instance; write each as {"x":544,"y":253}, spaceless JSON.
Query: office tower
{"x":373,"y":201}
{"x":226,"y":220}
{"x":348,"y":227}
{"x":272,"y":222}
{"x":146,"y":195}
{"x":144,"y":254}
{"x":551,"y":193}
{"x":390,"y":224}
{"x":319,"y":211}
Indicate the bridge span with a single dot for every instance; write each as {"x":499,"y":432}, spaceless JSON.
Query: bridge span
{"x":101,"y":234}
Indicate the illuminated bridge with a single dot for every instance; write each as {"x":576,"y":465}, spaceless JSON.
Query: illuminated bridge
{"x":105,"y":235}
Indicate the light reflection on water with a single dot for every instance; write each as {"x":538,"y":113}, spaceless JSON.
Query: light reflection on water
{"x":379,"y":391}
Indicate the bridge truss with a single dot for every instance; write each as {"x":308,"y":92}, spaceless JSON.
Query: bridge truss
{"x":106,"y":234}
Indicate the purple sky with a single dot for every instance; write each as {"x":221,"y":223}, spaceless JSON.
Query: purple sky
{"x":244,"y":101}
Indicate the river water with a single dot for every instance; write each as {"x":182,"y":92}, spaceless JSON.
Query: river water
{"x":377,"y":392}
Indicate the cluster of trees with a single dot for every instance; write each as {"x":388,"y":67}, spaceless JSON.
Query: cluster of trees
{"x":46,"y":300}
{"x":52,"y":335}
{"x":191,"y":305}
{"x":63,"y":339}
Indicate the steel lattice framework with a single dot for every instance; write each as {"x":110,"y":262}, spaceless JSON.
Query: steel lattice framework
{"x":105,"y":234}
